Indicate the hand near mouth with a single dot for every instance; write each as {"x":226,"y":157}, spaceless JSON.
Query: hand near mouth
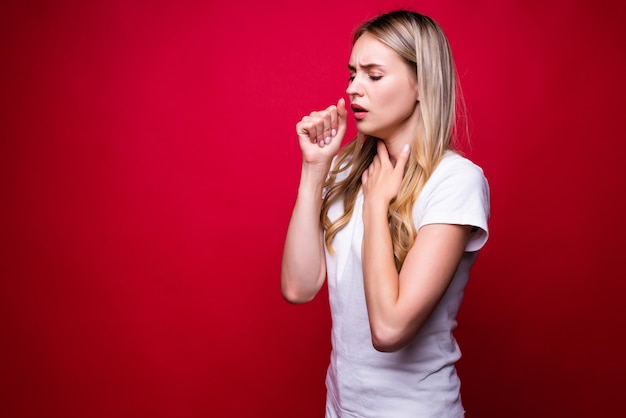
{"x":320,"y":133}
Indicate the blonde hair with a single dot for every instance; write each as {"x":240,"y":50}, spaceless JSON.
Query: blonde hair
{"x":421,"y":43}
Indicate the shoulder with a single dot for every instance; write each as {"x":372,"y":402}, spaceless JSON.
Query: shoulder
{"x":458,"y":168}
{"x":456,"y":175}
{"x":456,"y":193}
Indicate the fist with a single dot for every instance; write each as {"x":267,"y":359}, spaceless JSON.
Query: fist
{"x":320,"y":133}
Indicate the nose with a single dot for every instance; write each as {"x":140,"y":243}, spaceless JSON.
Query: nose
{"x":354,"y":88}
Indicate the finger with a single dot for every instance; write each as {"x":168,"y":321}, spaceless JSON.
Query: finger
{"x":333,"y":120}
{"x":402,"y":159}
{"x":327,"y":126}
{"x":314,"y":127}
{"x":303,"y":129}
{"x":372,"y":168}
{"x":342,"y":116}
{"x":383,"y":154}
{"x":311,"y":130}
{"x":319,"y":127}
{"x":341,"y":109}
{"x":375,"y":163}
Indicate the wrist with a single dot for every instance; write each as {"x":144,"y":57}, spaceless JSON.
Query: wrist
{"x":375,"y":209}
{"x":314,"y":174}
{"x":312,"y":180}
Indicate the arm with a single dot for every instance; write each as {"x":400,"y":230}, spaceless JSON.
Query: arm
{"x":303,"y":264}
{"x":399,"y":304}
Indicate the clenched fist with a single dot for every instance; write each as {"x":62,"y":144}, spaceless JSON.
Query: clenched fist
{"x":320,"y":133}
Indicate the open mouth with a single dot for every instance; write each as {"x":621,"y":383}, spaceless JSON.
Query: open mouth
{"x":359,"y":112}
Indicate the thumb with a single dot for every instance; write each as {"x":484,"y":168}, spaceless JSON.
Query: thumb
{"x":342,"y":115}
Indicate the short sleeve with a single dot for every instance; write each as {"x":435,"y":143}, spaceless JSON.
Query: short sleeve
{"x":457,"y":193}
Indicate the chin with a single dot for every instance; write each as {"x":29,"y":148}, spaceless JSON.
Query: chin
{"x":372,"y":134}
{"x":368,"y":132}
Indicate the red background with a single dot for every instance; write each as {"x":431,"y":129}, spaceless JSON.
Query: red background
{"x":149,"y":165}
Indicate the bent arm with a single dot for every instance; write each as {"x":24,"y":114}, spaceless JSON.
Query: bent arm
{"x":303,"y":264}
{"x":399,"y":304}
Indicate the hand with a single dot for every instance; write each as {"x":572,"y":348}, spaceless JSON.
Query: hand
{"x":320,"y":133}
{"x":381,"y":181}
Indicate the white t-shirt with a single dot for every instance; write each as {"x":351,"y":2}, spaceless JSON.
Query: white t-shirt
{"x":419,"y":380}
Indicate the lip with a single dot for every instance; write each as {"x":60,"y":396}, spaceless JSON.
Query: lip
{"x":359,"y":111}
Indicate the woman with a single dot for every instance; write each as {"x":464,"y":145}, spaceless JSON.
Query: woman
{"x":394,"y":222}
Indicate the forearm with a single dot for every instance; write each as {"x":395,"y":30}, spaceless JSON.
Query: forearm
{"x":303,"y":265}
{"x":381,"y":280}
{"x":398,"y":304}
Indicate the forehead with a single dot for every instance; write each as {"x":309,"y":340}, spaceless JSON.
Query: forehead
{"x":368,"y":50}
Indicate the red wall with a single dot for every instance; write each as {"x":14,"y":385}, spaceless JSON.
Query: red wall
{"x":148,"y":166}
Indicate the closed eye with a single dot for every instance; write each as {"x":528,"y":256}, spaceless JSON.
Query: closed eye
{"x":371,"y":77}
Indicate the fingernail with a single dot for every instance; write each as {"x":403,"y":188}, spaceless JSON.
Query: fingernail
{"x":327,"y":140}
{"x":406,"y":148}
{"x":333,"y":132}
{"x":315,"y":141}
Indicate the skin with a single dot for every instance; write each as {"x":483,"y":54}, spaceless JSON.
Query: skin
{"x":303,"y":265}
{"x":383,"y":84}
{"x":398,"y":304}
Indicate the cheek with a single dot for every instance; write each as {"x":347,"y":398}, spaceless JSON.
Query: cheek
{"x":400,"y":99}
{"x":390,"y":97}
{"x":400,"y":92}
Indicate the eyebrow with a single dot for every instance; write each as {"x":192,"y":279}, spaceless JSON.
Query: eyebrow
{"x":365,"y":66}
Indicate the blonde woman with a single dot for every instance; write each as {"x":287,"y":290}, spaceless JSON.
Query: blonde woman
{"x":393,"y":221}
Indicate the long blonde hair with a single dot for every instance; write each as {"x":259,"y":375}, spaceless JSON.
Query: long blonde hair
{"x":421,"y":43}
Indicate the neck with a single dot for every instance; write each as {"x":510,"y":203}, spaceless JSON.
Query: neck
{"x":394,"y":150}
{"x":404,"y":134}
{"x":395,"y":143}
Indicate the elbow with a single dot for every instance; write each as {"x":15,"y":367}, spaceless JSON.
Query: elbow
{"x":388,"y":339}
{"x":294,"y":297}
{"x":294,"y":294}
{"x":388,"y":345}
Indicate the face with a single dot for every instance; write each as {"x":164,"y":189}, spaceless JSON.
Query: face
{"x":383,"y":91}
